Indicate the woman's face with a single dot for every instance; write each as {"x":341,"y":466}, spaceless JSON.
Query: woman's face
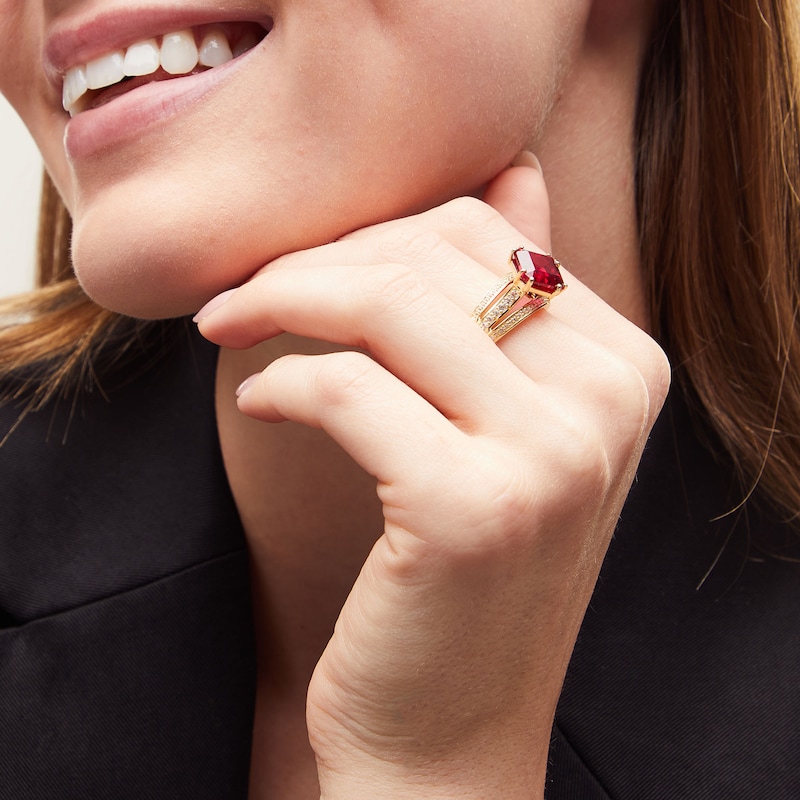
{"x":339,"y":113}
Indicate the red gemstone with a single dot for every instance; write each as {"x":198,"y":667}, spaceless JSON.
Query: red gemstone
{"x":538,"y":270}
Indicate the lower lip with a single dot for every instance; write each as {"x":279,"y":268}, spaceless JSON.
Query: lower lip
{"x":129,"y":115}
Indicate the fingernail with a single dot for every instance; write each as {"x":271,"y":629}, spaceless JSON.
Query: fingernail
{"x":212,"y":305}
{"x":527,"y":159}
{"x":246,"y":384}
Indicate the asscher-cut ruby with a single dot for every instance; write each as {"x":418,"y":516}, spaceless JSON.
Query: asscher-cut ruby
{"x":538,"y":270}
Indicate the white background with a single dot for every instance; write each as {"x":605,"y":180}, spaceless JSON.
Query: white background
{"x":20,"y":179}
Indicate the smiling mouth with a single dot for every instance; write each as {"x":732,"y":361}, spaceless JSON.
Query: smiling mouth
{"x":159,"y":58}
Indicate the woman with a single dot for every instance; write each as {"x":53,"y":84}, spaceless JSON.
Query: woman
{"x":287,"y":167}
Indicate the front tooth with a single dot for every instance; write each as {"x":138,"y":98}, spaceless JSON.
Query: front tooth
{"x":142,"y":58}
{"x":214,"y":49}
{"x":74,"y":86}
{"x":178,"y":52}
{"x":105,"y":71}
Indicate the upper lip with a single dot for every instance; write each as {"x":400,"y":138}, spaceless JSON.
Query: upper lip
{"x":70,"y":42}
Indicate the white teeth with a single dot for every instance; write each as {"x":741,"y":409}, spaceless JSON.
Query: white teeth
{"x":74,"y":86}
{"x":105,"y":71}
{"x":178,"y":53}
{"x":214,"y":49}
{"x":142,"y":58}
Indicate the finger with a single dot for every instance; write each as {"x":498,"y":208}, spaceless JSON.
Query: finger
{"x":607,"y":337}
{"x":432,"y":346}
{"x":354,"y":306}
{"x":416,"y":332}
{"x":428,"y":470}
{"x":519,"y":195}
{"x":364,"y":408}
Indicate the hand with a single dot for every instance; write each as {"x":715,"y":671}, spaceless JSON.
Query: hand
{"x":502,"y":470}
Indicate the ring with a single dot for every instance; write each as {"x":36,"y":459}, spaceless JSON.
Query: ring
{"x":535,"y":281}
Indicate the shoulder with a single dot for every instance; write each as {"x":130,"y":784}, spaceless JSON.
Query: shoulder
{"x":125,"y":617}
{"x":130,"y":467}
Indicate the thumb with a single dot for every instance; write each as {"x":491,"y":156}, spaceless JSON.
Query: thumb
{"x":520,"y":195}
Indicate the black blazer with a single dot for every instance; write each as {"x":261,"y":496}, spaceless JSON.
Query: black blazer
{"x":126,"y":648}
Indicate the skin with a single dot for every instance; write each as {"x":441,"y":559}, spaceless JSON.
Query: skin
{"x":305,"y":134}
{"x":500,"y":471}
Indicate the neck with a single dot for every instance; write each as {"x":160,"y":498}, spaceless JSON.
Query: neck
{"x":586,"y":149}
{"x":311,"y":516}
{"x":310,"y":513}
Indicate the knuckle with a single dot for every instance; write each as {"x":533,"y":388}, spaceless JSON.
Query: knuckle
{"x":393,"y":289}
{"x":511,"y":509}
{"x":625,"y":395}
{"x":504,"y":516}
{"x":496,"y":499}
{"x":653,"y":371}
{"x":629,"y":383}
{"x":344,"y":379}
{"x":584,"y":464}
{"x":506,"y":504}
{"x":657,"y":375}
{"x":471,"y":212}
{"x":407,"y":243}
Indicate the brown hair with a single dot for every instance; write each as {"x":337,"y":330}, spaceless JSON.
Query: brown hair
{"x":718,"y":176}
{"x":55,"y":340}
{"x":719,"y":217}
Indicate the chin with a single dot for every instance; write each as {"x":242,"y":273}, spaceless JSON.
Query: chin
{"x":157,"y":300}
{"x":153,"y":277}
{"x":160,"y":246}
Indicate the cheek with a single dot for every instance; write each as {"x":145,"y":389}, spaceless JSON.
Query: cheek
{"x":164,"y":242}
{"x":16,"y":65}
{"x":23,"y":83}
{"x":360,"y":129}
